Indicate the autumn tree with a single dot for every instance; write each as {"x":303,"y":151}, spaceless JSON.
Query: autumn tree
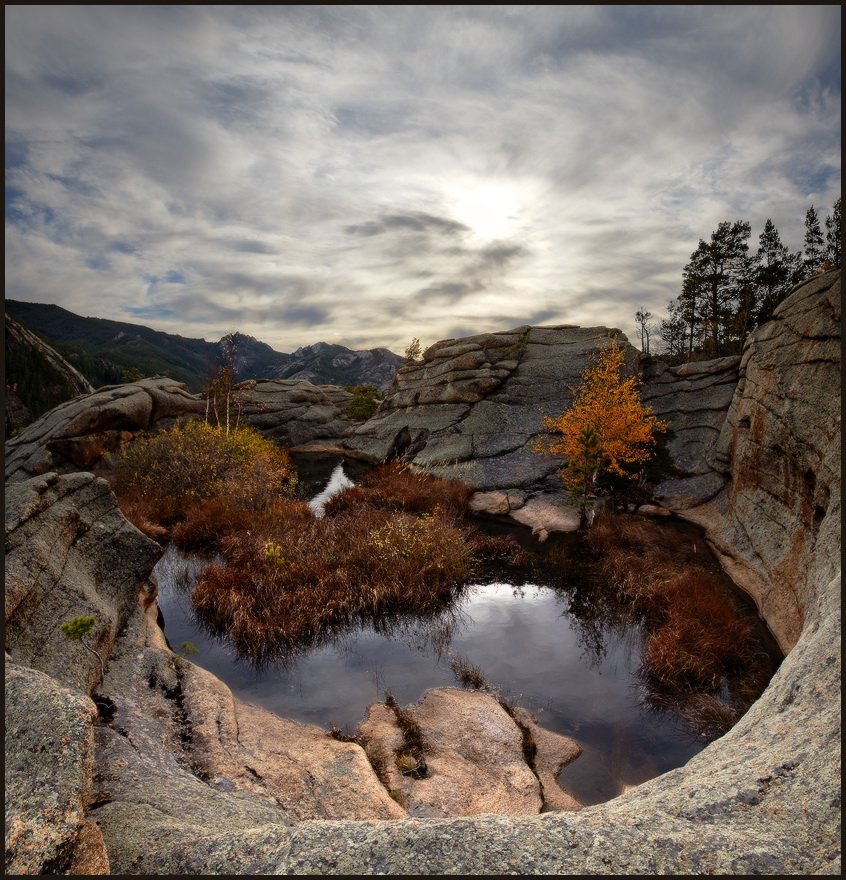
{"x":607,"y":430}
{"x":414,"y":352}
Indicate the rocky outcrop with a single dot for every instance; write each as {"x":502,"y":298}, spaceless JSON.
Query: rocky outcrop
{"x":70,"y":552}
{"x":76,"y":435}
{"x":293,"y":411}
{"x":473,"y":755}
{"x":473,"y":409}
{"x":693,"y":400}
{"x":777,"y":522}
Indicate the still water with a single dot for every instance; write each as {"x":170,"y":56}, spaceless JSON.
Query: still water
{"x":522,"y":638}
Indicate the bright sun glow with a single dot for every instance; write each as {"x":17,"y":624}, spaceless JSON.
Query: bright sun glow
{"x":491,"y":210}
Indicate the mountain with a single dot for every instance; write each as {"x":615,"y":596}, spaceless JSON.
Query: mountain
{"x":325,"y":364}
{"x":108,"y":352}
{"x":38,"y":378}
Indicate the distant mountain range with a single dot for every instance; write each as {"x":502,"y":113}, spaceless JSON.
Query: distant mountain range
{"x":108,"y":352}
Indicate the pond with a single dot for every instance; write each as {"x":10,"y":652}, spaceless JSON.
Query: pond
{"x":576,"y":674}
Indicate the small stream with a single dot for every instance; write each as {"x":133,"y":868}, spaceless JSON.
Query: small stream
{"x":578,"y":678}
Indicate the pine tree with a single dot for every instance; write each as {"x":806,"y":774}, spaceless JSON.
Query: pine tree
{"x":778,"y":270}
{"x":719,"y":266}
{"x":832,"y":235}
{"x":814,"y":247}
{"x":672,"y":331}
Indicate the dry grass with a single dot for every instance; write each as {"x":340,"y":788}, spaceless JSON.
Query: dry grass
{"x":327,"y":574}
{"x":395,"y":487}
{"x":469,"y":675}
{"x":696,"y":636}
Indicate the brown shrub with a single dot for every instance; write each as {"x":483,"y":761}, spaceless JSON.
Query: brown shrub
{"x":696,"y":635}
{"x":396,"y":487}
{"x":302,"y":581}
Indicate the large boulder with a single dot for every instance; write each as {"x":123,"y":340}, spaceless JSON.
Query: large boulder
{"x":75,"y":435}
{"x":473,"y":408}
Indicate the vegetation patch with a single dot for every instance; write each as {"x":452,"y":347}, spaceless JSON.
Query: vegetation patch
{"x":700,"y":657}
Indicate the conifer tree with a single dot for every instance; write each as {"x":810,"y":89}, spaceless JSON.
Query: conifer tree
{"x":777,"y":271}
{"x":814,"y":246}
{"x":832,"y":235}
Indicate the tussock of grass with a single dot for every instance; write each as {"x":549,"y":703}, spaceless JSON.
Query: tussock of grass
{"x":469,"y":675}
{"x":696,"y":636}
{"x":395,"y":487}
{"x":326,"y":575}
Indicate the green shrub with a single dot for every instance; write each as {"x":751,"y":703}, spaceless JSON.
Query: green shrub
{"x":364,"y":404}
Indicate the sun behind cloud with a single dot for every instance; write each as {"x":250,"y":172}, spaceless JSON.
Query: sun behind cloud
{"x":490,"y":209}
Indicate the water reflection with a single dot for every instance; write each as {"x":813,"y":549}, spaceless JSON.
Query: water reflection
{"x":522,"y":637}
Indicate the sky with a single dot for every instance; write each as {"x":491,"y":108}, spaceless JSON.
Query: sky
{"x":366,"y":175}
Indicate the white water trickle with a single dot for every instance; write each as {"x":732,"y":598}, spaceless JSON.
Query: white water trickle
{"x":337,"y":482}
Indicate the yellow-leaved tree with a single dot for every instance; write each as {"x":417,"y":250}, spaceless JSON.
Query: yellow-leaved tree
{"x":607,"y":430}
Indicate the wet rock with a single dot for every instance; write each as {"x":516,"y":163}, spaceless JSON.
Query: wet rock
{"x":547,"y":513}
{"x":553,"y":752}
{"x":299,"y":767}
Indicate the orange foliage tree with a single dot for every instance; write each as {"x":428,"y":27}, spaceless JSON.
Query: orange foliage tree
{"x":607,"y":430}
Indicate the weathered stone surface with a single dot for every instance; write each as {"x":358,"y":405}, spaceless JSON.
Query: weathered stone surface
{"x":474,"y":755}
{"x":547,"y":513}
{"x":75,"y":434}
{"x":49,"y":758}
{"x":293,"y":411}
{"x":474,"y":406}
{"x":496,"y":502}
{"x":181,"y":755}
{"x":69,"y":551}
{"x":693,"y":399}
{"x":780,"y":449}
{"x":553,"y":753}
{"x":299,"y":767}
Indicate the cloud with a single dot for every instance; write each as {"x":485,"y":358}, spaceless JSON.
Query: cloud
{"x":368,"y":174}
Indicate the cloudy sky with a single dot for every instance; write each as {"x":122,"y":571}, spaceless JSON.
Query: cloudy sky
{"x":363,"y":175}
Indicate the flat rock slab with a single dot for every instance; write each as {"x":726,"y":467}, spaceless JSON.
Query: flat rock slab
{"x":547,"y":513}
{"x":474,"y":755}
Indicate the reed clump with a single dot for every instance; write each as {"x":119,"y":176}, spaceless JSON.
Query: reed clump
{"x":696,"y":636}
